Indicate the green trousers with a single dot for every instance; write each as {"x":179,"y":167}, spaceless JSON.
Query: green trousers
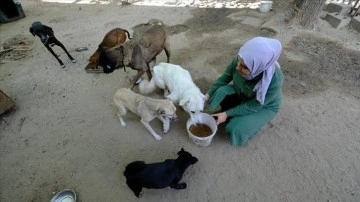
{"x":243,"y":127}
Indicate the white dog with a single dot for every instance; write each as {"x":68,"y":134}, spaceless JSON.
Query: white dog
{"x":180,"y":85}
{"x":147,"y":108}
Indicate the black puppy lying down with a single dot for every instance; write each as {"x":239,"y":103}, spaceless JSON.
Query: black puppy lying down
{"x":47,"y":37}
{"x":158,"y":175}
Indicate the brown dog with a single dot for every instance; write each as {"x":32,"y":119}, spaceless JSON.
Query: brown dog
{"x":113,"y":38}
{"x":140,"y":51}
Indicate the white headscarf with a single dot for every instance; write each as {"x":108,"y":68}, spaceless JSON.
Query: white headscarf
{"x":260,"y":54}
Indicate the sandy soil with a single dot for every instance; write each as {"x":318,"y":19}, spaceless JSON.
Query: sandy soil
{"x":63,"y":132}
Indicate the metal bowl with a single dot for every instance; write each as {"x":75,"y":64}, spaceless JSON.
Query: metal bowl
{"x":66,"y":195}
{"x":81,"y":49}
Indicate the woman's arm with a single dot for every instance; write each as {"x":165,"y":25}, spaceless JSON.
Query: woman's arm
{"x":245,"y":108}
{"x":224,"y":79}
{"x":273,"y":100}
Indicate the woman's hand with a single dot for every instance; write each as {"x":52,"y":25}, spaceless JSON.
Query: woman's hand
{"x":220,"y":117}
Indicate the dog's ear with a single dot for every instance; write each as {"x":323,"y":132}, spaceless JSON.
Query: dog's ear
{"x":194,"y":160}
{"x":184,"y":101}
{"x":160,"y":111}
{"x":31,"y":30}
{"x":181,"y":151}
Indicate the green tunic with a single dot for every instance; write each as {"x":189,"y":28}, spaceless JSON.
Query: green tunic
{"x":249,"y":116}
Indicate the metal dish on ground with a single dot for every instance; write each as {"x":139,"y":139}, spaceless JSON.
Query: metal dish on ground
{"x":88,"y":69}
{"x":81,"y":49}
{"x":66,"y":195}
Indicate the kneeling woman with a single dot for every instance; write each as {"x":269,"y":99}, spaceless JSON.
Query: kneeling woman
{"x":255,"y":95}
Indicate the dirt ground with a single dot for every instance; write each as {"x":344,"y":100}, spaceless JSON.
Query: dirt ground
{"x":63,"y":132}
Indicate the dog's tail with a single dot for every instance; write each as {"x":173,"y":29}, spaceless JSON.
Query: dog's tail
{"x":133,"y":168}
{"x":146,"y":87}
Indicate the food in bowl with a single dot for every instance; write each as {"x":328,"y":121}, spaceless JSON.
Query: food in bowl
{"x":200,"y":130}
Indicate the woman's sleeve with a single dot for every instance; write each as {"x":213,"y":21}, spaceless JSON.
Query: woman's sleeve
{"x":224,"y":79}
{"x":253,"y":105}
{"x":245,"y":108}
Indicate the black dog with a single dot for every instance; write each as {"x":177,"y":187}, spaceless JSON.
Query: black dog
{"x":47,"y":37}
{"x":108,"y":59}
{"x":158,"y":175}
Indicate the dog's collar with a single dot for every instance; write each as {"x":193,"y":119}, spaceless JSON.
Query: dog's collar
{"x":123,"y":65}
{"x":47,"y":40}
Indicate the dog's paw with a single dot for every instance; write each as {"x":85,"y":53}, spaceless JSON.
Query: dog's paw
{"x":166,"y":128}
{"x":73,"y":61}
{"x":172,"y":97}
{"x":139,"y":195}
{"x":157,"y":137}
{"x":179,"y":186}
{"x":166,"y":125}
{"x":122,"y":123}
{"x":166,"y":92}
{"x":62,"y":66}
{"x":183,"y":185}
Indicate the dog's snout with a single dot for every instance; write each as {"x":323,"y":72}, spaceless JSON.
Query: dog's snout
{"x":195,"y":117}
{"x":174,"y":117}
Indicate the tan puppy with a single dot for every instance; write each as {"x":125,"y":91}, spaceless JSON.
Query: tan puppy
{"x":147,"y":108}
